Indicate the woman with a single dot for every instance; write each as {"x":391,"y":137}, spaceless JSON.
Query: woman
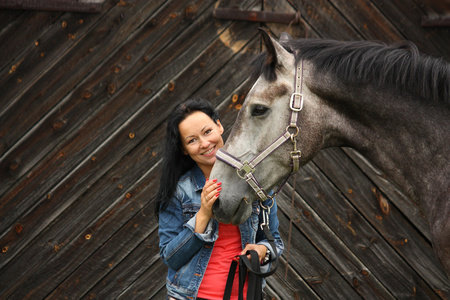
{"x":197,"y":249}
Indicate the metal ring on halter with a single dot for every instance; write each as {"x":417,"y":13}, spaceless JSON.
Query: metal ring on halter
{"x":296,"y":128}
{"x":267,"y":207}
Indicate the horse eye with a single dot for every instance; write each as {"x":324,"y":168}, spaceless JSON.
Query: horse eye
{"x":259,"y":110}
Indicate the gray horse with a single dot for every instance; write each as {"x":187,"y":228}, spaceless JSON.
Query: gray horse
{"x":388,"y":102}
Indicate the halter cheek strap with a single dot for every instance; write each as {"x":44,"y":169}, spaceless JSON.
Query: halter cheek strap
{"x":246,"y":169}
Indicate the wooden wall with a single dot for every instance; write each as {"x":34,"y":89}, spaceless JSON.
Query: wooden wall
{"x":83,"y":104}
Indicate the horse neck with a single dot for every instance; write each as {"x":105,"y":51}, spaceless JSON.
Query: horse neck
{"x":406,"y":138}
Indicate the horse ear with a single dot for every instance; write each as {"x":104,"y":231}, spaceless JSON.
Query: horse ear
{"x":276,"y":54}
{"x":271,"y":57}
{"x":285,"y":38}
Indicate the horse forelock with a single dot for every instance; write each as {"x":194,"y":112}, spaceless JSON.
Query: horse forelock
{"x":398,"y":66}
{"x":262,"y":66}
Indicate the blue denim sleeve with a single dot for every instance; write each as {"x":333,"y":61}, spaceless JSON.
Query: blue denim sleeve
{"x":178,"y":242}
{"x":274,"y":223}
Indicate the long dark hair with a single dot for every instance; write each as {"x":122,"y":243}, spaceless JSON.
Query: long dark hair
{"x":175,"y":163}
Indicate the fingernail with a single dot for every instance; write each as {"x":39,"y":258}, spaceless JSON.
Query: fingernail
{"x":219,"y":189}
{"x":219,"y":183}
{"x":214,"y":180}
{"x":217,"y":195}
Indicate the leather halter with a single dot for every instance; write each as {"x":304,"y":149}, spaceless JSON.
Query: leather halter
{"x":245,"y":169}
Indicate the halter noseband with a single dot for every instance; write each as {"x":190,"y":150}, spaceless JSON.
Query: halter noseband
{"x":245,"y":169}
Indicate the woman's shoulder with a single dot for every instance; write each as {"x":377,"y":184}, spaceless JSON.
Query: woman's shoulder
{"x":187,"y":179}
{"x":192,"y":179}
{"x":188,"y":185}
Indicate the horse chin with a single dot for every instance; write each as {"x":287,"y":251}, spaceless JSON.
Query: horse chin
{"x":224,"y":214}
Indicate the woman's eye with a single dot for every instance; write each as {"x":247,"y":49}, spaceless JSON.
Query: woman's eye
{"x":259,"y":110}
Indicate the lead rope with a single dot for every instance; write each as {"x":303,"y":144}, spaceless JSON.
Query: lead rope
{"x":252,"y":266}
{"x":290,"y":227}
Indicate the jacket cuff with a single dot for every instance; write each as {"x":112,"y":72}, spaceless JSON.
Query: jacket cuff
{"x":210,"y":234}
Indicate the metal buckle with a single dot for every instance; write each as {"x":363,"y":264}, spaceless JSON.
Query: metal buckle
{"x":297,"y":153}
{"x":246,"y":168}
{"x":265,"y":222}
{"x":291,"y":102}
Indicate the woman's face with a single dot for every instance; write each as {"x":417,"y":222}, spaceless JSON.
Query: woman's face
{"x":201,"y":137}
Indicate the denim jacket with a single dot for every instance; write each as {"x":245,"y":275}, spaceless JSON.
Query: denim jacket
{"x":187,"y":253}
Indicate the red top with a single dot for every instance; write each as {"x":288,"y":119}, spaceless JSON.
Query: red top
{"x":226,"y":247}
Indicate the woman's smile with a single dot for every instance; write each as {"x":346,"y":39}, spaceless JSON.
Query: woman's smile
{"x":207,"y":153}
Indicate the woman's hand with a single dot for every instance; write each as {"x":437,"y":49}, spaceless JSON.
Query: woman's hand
{"x":260,"y":249}
{"x":210,"y":193}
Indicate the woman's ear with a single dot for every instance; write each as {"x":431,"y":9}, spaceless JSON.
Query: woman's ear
{"x":221,"y":129}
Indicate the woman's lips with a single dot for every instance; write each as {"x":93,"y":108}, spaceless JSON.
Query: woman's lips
{"x":209,"y":152}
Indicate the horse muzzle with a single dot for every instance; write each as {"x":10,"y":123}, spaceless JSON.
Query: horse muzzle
{"x":232,"y":212}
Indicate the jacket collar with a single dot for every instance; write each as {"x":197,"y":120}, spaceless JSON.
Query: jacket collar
{"x":199,"y":178}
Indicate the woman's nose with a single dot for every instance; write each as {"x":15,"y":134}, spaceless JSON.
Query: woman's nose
{"x":204,"y":143}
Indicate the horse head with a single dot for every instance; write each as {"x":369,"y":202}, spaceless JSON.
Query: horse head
{"x":263,"y":118}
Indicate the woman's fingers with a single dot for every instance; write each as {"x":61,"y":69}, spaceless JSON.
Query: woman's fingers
{"x":260,"y":249}
{"x":213,"y":197}
{"x":211,"y":192}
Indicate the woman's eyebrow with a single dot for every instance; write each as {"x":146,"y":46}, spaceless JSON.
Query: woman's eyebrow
{"x":190,"y":136}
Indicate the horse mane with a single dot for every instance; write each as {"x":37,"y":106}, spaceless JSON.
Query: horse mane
{"x":399,"y":66}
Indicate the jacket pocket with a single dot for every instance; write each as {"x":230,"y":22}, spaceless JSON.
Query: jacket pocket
{"x":189,"y":210}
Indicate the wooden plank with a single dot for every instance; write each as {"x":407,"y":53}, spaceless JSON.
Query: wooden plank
{"x":90,"y":6}
{"x":161,"y":294}
{"x":390,"y":223}
{"x":291,"y":287}
{"x":436,"y":21}
{"x":7,"y":18}
{"x":148,"y":286}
